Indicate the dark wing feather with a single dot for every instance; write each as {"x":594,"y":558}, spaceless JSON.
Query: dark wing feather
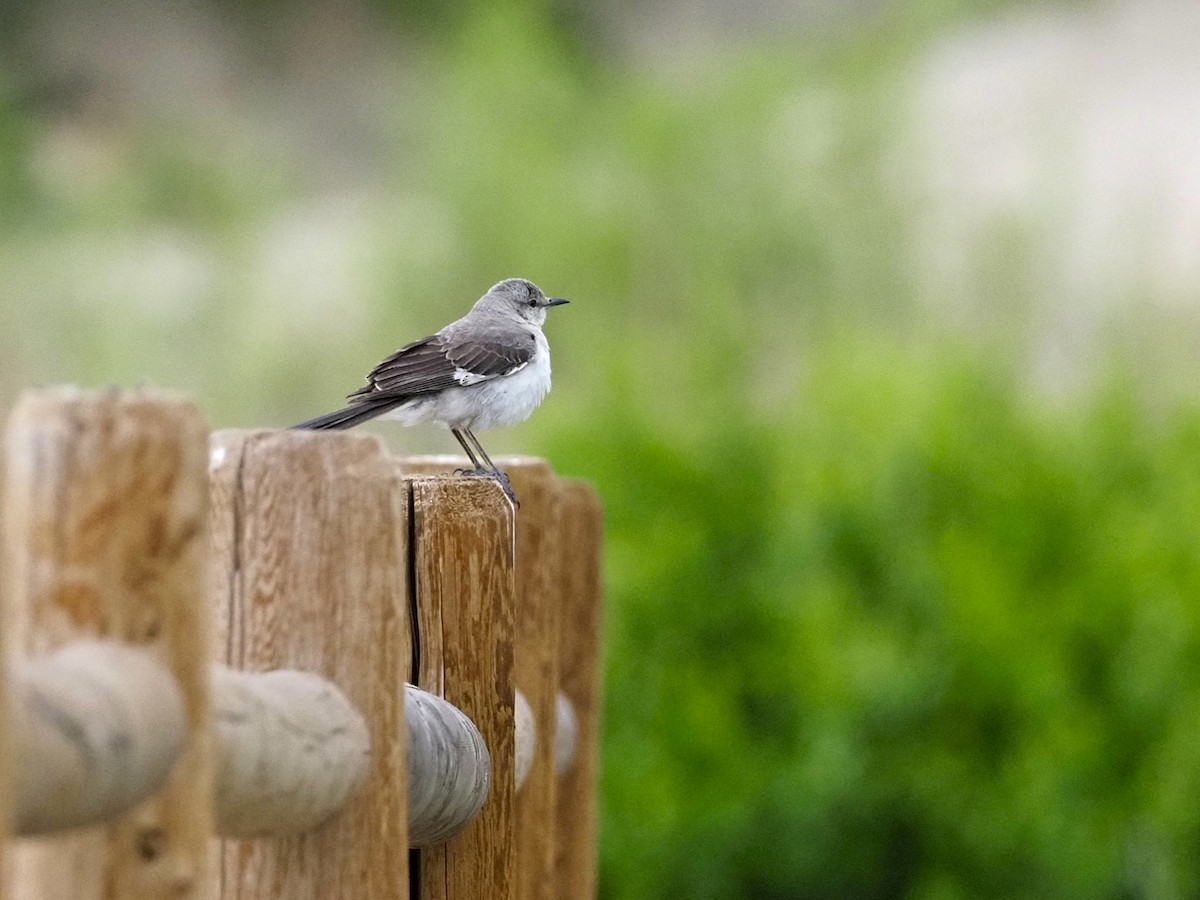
{"x":442,"y":361}
{"x":416,"y":368}
{"x":491,"y":358}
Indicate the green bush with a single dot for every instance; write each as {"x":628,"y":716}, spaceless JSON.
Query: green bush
{"x":915,"y":641}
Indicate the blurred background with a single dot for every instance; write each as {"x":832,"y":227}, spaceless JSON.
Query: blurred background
{"x":881,"y":353}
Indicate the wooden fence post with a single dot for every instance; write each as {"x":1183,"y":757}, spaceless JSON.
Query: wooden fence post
{"x":539,"y":553}
{"x":463,"y":573}
{"x":579,"y":681}
{"x":311,"y":572}
{"x":7,"y":711}
{"x":106,"y":537}
{"x":536,"y":657}
{"x":322,"y":554}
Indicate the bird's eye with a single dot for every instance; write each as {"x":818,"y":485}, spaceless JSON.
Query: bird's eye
{"x":532,"y":302}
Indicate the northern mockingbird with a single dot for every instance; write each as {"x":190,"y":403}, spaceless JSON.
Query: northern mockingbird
{"x":489,"y":369}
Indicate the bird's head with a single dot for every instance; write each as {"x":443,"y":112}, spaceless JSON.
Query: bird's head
{"x":520,"y":296}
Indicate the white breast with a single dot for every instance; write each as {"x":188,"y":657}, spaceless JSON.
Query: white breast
{"x":511,"y":399}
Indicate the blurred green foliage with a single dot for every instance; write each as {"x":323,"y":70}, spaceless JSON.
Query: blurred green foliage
{"x":878,"y":625}
{"x":918,"y":642}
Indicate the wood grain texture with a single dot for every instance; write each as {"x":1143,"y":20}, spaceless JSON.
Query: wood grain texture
{"x":535,"y":654}
{"x":449,"y":768}
{"x":581,"y":539}
{"x":7,"y":707}
{"x":106,"y":537}
{"x":310,"y":572}
{"x":538,"y":624}
{"x":463,"y":535}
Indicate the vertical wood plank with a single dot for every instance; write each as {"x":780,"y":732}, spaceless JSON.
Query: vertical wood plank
{"x":535,"y":656}
{"x":311,"y":572}
{"x":463,"y":536}
{"x":7,"y":711}
{"x":225,"y":450}
{"x":538,"y":619}
{"x":580,"y":539}
{"x":107,"y":498}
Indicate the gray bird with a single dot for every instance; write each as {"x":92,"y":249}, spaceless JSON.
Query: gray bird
{"x":489,"y":369}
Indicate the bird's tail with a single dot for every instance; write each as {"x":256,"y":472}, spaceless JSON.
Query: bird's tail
{"x":348,"y":416}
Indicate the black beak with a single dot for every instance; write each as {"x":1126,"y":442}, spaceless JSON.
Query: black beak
{"x":555,"y":301}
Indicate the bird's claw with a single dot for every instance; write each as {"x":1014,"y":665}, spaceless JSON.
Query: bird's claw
{"x":501,"y":479}
{"x":506,"y":486}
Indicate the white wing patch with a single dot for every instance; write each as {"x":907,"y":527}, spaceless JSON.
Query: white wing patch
{"x":464,"y":377}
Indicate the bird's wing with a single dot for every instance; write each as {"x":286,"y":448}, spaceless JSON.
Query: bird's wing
{"x":447,"y":359}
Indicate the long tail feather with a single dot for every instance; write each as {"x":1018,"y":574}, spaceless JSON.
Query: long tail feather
{"x":349,"y":416}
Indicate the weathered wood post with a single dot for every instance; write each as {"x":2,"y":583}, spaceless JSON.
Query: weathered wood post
{"x":535,"y":656}
{"x":536,"y":641}
{"x":323,"y":552}
{"x":106,"y":499}
{"x":7,"y":773}
{"x":579,"y":681}
{"x":311,"y":572}
{"x":463,"y":576}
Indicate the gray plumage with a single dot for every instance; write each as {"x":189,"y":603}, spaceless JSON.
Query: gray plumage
{"x":489,"y":369}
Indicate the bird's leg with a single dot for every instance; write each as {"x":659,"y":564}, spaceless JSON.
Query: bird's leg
{"x":479,"y":468}
{"x":496,"y":473}
{"x":487,"y":460}
{"x":471,"y":444}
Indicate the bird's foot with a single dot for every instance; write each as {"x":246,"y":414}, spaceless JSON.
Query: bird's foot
{"x":501,"y":479}
{"x":506,"y":486}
